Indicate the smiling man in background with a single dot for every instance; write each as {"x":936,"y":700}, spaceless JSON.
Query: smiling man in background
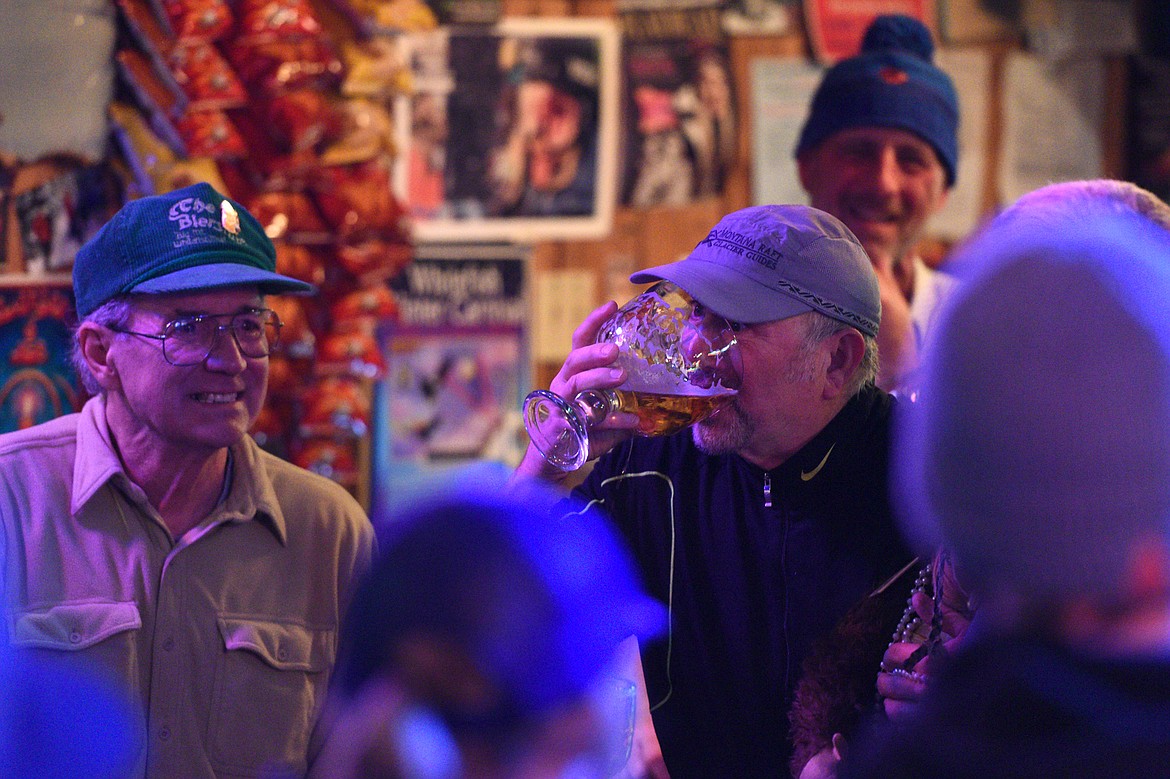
{"x":879,"y":151}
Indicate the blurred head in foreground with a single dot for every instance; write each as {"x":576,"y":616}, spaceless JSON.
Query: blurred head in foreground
{"x":63,"y":722}
{"x":481,"y":642}
{"x":1040,"y":449}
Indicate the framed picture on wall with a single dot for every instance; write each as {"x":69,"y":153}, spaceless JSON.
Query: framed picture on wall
{"x":680,"y":139}
{"x":510,"y":131}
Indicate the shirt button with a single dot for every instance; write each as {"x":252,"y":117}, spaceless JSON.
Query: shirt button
{"x":165,"y":734}
{"x":169,"y":644}
{"x":75,"y":637}
{"x":282,"y":654}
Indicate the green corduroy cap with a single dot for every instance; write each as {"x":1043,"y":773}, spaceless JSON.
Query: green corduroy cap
{"x":189,"y":240}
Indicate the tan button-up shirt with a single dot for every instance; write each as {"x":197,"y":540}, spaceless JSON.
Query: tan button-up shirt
{"x":226,"y":637}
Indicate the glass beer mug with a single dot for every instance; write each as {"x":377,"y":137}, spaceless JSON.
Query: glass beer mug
{"x":681,"y":363}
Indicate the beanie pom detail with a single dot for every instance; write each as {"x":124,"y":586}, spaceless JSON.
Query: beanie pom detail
{"x":897,"y":32}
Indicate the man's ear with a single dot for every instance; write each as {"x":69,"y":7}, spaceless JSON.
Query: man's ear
{"x":840,"y":746}
{"x":94,"y":342}
{"x":846,"y":351}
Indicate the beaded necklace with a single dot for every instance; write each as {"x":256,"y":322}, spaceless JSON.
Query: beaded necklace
{"x":911,"y":629}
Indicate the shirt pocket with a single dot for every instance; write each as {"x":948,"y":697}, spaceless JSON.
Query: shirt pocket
{"x":72,"y":626}
{"x":79,"y":636}
{"x":270,"y":681}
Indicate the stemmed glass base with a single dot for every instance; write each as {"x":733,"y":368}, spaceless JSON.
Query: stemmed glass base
{"x":560,"y":429}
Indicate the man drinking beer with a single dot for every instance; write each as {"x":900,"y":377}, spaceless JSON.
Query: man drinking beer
{"x":760,"y":525}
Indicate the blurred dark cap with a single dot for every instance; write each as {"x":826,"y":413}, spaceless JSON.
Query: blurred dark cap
{"x":537,"y":590}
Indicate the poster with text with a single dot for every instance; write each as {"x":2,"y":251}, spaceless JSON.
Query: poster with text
{"x":456,"y":365}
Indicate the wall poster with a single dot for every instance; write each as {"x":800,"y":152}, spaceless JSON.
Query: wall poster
{"x":456,"y":365}
{"x":37,"y":380}
{"x":510,"y":131}
{"x":680,"y":137}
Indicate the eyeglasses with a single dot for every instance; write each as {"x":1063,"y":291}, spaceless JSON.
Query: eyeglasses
{"x":189,"y":340}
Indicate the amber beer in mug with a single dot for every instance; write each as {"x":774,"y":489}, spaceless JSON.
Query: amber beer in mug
{"x":660,"y":414}
{"x":681,"y":365}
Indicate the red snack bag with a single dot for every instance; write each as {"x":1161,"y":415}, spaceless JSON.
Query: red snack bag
{"x":159,"y":103}
{"x":336,"y":404}
{"x":376,"y":302}
{"x":329,"y":458}
{"x":277,"y":19}
{"x":300,"y":262}
{"x":357,"y":201}
{"x":282,"y":376}
{"x":266,"y":165}
{"x":155,"y":94}
{"x":272,"y":428}
{"x":199,"y":20}
{"x":206,"y":78}
{"x":287,"y":215}
{"x":152,"y":39}
{"x":354,"y":351}
{"x":297,"y":341}
{"x":374,"y":259}
{"x":210,"y":134}
{"x":300,"y":119}
{"x":268,"y":66}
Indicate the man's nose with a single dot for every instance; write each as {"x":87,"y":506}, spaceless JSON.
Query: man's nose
{"x":887,"y":173}
{"x":225,"y":352}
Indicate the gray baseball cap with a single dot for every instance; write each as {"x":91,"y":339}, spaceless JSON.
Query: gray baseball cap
{"x":765,"y":263}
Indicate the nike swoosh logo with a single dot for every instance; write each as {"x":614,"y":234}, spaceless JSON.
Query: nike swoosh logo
{"x":808,"y":475}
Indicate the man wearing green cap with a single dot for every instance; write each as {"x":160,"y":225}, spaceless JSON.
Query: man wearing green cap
{"x":879,"y":151}
{"x":148,"y":535}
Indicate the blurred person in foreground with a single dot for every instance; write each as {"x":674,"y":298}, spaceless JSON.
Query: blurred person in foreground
{"x":64,"y":724}
{"x":762,"y":524}
{"x":482,"y":642}
{"x":1041,"y":460}
{"x":149,"y":536}
{"x":837,"y":689}
{"x":879,"y":151}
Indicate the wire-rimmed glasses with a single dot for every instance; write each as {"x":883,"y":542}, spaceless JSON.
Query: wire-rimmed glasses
{"x":189,"y":340}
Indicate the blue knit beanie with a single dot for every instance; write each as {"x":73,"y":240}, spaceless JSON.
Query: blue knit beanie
{"x":892,"y":83}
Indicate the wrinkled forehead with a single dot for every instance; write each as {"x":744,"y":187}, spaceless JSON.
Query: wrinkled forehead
{"x":881,"y":135}
{"x":228,"y":300}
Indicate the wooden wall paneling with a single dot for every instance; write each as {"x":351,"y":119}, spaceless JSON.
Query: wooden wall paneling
{"x":991,"y":196}
{"x":1113,"y":133}
{"x":595,"y":8}
{"x":622,"y":254}
{"x":537,"y":7}
{"x":670,"y":233}
{"x":737,"y":191}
